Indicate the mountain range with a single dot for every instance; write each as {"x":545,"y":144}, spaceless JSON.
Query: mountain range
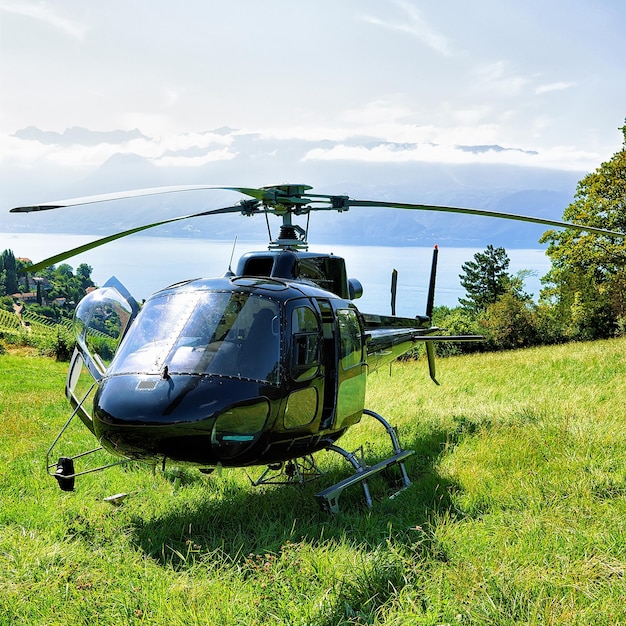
{"x":230,"y":157}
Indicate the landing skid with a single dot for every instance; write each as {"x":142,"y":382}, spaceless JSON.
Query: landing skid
{"x":328,"y":498}
{"x":305,"y":469}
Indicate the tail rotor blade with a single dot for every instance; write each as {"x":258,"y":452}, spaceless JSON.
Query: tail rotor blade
{"x":430,"y":305}
{"x":430,"y":353}
{"x":394,"y":289}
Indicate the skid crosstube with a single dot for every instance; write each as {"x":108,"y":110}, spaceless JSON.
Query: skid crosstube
{"x":328,"y":498}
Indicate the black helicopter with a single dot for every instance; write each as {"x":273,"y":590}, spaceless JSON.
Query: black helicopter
{"x":264,"y":366}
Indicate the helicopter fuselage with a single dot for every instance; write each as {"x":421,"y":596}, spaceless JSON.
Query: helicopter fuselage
{"x":240,"y":370}
{"x":234,"y":371}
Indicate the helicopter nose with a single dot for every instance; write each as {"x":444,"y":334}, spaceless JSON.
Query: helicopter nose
{"x":194,"y":419}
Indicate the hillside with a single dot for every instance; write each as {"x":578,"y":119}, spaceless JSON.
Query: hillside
{"x":515,"y":514}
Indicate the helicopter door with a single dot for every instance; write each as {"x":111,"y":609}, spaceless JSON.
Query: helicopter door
{"x":302,"y":410}
{"x":351,"y":368}
{"x":329,"y":355}
{"x":100,"y":321}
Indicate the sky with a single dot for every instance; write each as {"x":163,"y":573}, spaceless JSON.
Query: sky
{"x":545,"y":79}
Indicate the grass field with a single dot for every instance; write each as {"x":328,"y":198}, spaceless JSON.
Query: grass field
{"x":516,"y":514}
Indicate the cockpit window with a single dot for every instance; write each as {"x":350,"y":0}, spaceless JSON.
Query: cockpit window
{"x":204,"y":332}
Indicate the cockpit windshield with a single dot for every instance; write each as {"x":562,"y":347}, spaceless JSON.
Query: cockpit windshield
{"x":204,"y":332}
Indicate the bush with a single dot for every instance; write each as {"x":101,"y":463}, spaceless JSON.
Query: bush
{"x":6,"y":303}
{"x":59,"y":344}
{"x":457,"y":321}
{"x":51,"y":312}
{"x":510,"y":323}
{"x":549,"y":325}
{"x":590,"y":319}
{"x":16,"y":337}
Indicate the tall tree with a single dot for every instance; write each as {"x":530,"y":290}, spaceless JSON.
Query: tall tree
{"x":587,"y":282}
{"x":9,"y":265}
{"x":83,"y":274}
{"x":485,"y":279}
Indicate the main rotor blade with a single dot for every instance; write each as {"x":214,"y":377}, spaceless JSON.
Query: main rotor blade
{"x":294,"y":199}
{"x":62,"y":256}
{"x":483,"y":212}
{"x":258,"y":194}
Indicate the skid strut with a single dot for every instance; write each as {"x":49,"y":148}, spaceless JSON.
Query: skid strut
{"x":328,"y":499}
{"x":64,"y":467}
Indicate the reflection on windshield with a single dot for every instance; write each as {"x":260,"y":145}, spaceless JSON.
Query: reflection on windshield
{"x":204,"y":332}
{"x":100,"y":320}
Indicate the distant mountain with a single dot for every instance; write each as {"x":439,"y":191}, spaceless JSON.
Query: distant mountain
{"x":492,"y":148}
{"x":227,"y":156}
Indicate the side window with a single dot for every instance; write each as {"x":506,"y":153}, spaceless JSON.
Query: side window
{"x":350,"y":339}
{"x":305,"y":346}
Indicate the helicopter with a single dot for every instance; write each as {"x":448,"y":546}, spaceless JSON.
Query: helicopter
{"x":264,"y":366}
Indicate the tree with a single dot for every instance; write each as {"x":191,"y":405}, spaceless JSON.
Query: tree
{"x":587,"y":282}
{"x":67,"y":285}
{"x":83,"y":274}
{"x":511,"y":323}
{"x":485,"y":279}
{"x":8,"y":268}
{"x":64,"y":271}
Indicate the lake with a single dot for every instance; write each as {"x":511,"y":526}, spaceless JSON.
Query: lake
{"x":147,"y":264}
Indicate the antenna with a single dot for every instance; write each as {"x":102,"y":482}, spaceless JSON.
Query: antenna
{"x":230,"y":272}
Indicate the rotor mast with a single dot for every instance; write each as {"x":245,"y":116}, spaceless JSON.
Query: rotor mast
{"x":285,"y":201}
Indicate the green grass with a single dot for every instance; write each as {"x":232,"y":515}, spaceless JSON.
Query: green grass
{"x":516,"y":514}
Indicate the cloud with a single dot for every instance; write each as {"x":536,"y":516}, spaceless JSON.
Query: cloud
{"x":497,"y":80}
{"x":31,"y":146}
{"x":196,"y":140}
{"x":43,"y":12}
{"x":176,"y":160}
{"x":78,"y":135}
{"x":376,"y":112}
{"x":558,"y":86}
{"x":415,"y":25}
{"x":562,"y":157}
{"x":382,"y":132}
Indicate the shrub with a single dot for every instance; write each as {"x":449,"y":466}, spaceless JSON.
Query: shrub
{"x":510,"y":323}
{"x":59,"y":344}
{"x":457,"y":321}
